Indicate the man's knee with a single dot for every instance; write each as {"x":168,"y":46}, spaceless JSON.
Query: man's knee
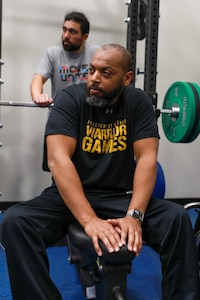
{"x":180,"y":217}
{"x":182,"y":213}
{"x":10,"y":222}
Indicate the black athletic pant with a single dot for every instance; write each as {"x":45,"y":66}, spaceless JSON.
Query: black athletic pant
{"x":29,"y":227}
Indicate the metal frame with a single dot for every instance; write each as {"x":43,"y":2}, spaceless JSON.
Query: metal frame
{"x":150,"y":72}
{"x":0,"y":55}
{"x":151,"y":43}
{"x":0,"y":31}
{"x":1,"y":62}
{"x":132,"y":33}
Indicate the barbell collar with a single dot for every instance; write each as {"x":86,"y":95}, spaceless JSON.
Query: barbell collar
{"x":173,"y":112}
{"x":127,"y":20}
{"x":22,"y":104}
{"x":127,"y":2}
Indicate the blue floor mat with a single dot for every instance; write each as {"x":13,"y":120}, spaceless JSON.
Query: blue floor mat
{"x":145,"y":273}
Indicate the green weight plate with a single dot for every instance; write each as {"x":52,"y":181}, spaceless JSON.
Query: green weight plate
{"x":196,"y":126}
{"x":179,"y":94}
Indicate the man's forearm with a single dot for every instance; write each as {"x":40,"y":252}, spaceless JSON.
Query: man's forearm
{"x":36,"y":86}
{"x":70,"y":188}
{"x":143,"y":184}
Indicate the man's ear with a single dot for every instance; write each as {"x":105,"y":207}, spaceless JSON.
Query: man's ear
{"x":85,"y":36}
{"x":128,"y":78}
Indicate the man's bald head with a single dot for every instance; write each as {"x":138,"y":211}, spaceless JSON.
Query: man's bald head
{"x":125,"y":59}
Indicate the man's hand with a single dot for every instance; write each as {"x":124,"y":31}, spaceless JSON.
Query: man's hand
{"x":43,"y":100}
{"x":99,"y":229}
{"x":114,"y":233}
{"x":130,"y":232}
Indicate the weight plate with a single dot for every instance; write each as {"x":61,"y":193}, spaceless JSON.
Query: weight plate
{"x":196,"y":126}
{"x":177,"y":129}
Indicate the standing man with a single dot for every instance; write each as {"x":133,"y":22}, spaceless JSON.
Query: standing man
{"x":65,"y":64}
{"x":94,"y":133}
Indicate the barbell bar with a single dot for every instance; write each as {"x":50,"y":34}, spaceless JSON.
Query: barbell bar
{"x":180,"y":111}
{"x":22,"y":104}
{"x":173,"y":112}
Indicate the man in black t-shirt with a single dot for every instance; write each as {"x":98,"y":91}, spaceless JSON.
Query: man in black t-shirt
{"x":93,"y":139}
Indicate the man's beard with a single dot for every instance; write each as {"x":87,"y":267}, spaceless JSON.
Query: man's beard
{"x":106,"y":99}
{"x":71,"y":47}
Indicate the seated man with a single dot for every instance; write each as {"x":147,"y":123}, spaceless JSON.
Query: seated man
{"x":93,"y":139}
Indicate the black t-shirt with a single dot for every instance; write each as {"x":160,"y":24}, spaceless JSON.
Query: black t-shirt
{"x":104,"y":155}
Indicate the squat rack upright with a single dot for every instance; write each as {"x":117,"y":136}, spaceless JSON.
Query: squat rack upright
{"x":143,"y":15}
{"x":0,"y":58}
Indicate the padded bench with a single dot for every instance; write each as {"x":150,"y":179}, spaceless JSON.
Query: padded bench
{"x":102,"y":278}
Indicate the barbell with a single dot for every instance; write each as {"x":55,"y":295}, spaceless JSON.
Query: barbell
{"x":22,"y":104}
{"x":180,"y":111}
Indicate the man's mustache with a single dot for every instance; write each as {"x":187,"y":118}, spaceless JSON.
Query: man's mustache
{"x":94,"y":87}
{"x":66,"y":40}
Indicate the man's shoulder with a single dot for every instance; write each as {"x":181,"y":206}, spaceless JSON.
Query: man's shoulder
{"x":134,"y":96}
{"x":55,"y":49}
{"x":95,"y":47}
{"x":75,"y":95}
{"x":134,"y":91}
{"x":77,"y":88}
{"x":130,"y":90}
{"x":91,"y":48}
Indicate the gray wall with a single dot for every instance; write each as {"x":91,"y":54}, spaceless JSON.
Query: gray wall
{"x":29,"y":27}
